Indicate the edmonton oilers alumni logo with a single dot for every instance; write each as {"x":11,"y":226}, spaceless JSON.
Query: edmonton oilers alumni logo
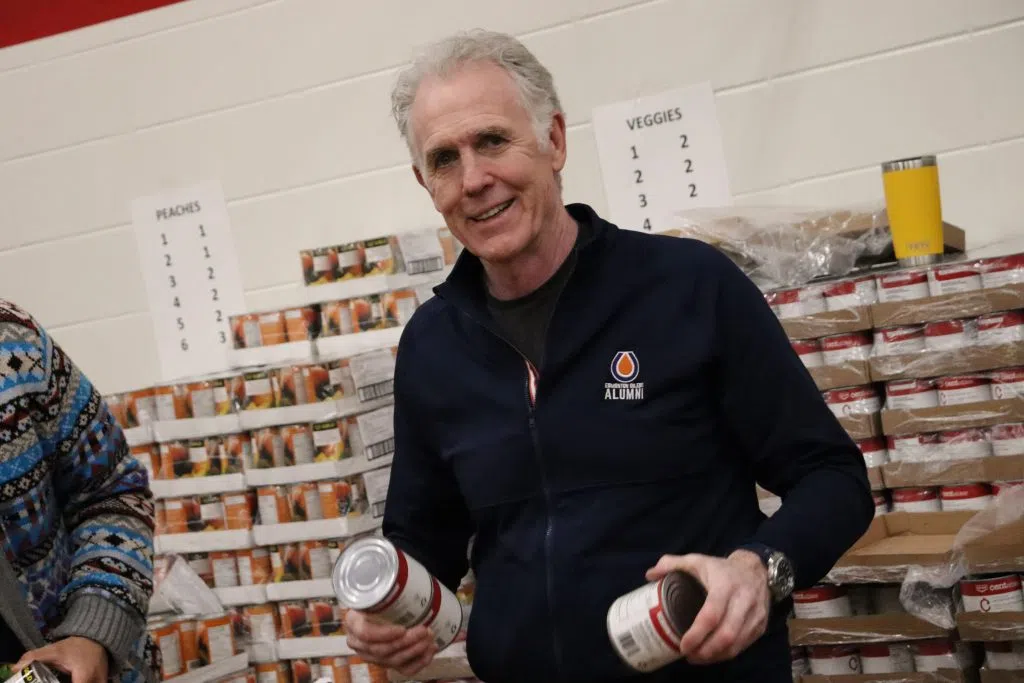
{"x":625,"y":369}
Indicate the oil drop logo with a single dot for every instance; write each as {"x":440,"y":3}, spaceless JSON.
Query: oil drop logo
{"x":625,"y":369}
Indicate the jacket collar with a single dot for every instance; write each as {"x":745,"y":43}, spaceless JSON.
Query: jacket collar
{"x":465,"y":286}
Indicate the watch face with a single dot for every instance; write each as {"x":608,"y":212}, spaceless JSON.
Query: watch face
{"x":780,"y":576}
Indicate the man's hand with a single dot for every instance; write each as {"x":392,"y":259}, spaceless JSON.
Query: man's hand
{"x":405,"y":650}
{"x":85,"y":660}
{"x":735,"y":613}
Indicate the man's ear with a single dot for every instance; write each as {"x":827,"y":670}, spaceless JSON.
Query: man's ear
{"x":420,"y":180}
{"x":557,"y":141}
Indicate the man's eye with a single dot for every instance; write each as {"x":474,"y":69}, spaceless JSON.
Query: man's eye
{"x":493,"y":140}
{"x":443,"y":159}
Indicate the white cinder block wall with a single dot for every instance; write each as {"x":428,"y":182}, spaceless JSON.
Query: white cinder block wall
{"x":286,"y":103}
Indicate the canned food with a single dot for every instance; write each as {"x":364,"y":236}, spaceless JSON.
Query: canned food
{"x":273,"y":505}
{"x":915,"y":448}
{"x":350,"y":260}
{"x":796,"y":302}
{"x":148,"y":456}
{"x":225,"y":569}
{"x":238,"y":451}
{"x":398,"y":305}
{"x":317,"y":379}
{"x":341,"y":377}
{"x":213,"y":397}
{"x":964,"y":444}
{"x":211,"y":510}
{"x":302,"y":324}
{"x":269,"y":448}
{"x":850,"y":293}
{"x":329,"y":440}
{"x":201,"y":565}
{"x":365,"y":672}
{"x":325,"y":617}
{"x":881,"y":503}
{"x":367,"y":313}
{"x":159,"y":517}
{"x":853,"y":401}
{"x":175,"y":516}
{"x":834,"y":660}
{"x":261,"y":390}
{"x":874,"y":451}
{"x":238,"y":509}
{"x":1005,"y":655}
{"x":1007,"y":439}
{"x":285,"y":563}
{"x":319,"y":265}
{"x":843,"y":348}
{"x":933,"y":655}
{"x":822,"y":601}
{"x":263,"y":622}
{"x":916,"y":500}
{"x":337,"y":498}
{"x":965,"y":496}
{"x":380,"y":256}
{"x":993,"y":594}
{"x":193,"y":513}
{"x":908,"y":394}
{"x":316,"y":559}
{"x":963,"y":389}
{"x":1002,"y":271}
{"x":189,"y":644}
{"x":141,"y":407}
{"x":799,"y":663}
{"x":198,"y":463}
{"x":117,"y":404}
{"x":954,"y":279}
{"x":245,"y":331}
{"x":167,"y":638}
{"x":903,"y":286}
{"x":646,"y":624}
{"x":949,"y":335}
{"x":294,"y":619}
{"x":896,"y":340}
{"x":302,"y":671}
{"x":291,"y":387}
{"x":254,"y":568}
{"x":1008,"y":383}
{"x":336,"y":318}
{"x":809,"y":352}
{"x":335,"y":668}
{"x":374,"y":576}
{"x":886,"y":658}
{"x":305,"y":502}
{"x":272,"y":328}
{"x":298,"y":444}
{"x":273,"y":672}
{"x":1001,"y":328}
{"x":216,"y":639}
{"x":171,"y":402}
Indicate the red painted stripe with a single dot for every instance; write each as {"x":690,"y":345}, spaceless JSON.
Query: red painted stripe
{"x":24,"y":20}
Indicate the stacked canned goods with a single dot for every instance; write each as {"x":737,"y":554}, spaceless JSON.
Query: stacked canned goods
{"x":209,"y":512}
{"x":190,"y":643}
{"x":414,"y":253}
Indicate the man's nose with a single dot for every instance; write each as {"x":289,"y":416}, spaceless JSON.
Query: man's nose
{"x":475,"y":175}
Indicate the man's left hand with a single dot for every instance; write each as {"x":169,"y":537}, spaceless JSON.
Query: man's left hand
{"x":735,"y":613}
{"x":85,"y":660}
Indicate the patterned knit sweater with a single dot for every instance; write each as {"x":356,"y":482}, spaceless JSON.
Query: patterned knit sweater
{"x":76,"y":512}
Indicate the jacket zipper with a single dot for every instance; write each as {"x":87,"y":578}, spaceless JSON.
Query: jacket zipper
{"x":532,"y":377}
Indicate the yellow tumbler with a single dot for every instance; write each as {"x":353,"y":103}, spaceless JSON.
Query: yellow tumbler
{"x":915,"y":211}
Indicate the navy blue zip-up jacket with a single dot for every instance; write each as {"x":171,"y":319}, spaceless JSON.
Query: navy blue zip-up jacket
{"x":574,"y":487}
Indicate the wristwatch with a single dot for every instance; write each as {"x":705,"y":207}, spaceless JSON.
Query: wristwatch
{"x":781,"y":577}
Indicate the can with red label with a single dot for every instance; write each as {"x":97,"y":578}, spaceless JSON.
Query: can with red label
{"x":325,"y":617}
{"x":909,"y":394}
{"x":954,"y":279}
{"x":916,"y":500}
{"x":915,"y":448}
{"x":1002,"y":270}
{"x":948,"y":335}
{"x":933,"y":655}
{"x":853,"y":401}
{"x":796,"y":302}
{"x":1007,"y":439}
{"x":993,"y":594}
{"x":821,"y":602}
{"x":842,"y":348}
{"x":874,"y":451}
{"x":834,"y":660}
{"x":1001,"y":328}
{"x":799,"y":663}
{"x":963,"y":389}
{"x":903,"y":286}
{"x":646,"y":624}
{"x":965,"y":497}
{"x":1008,"y":383}
{"x":965,"y":444}
{"x":1005,"y":656}
{"x":809,"y":351}
{"x":896,"y":340}
{"x":317,"y":378}
{"x":998,"y":486}
{"x":881,"y":503}
{"x":850,"y":293}
{"x":886,"y":658}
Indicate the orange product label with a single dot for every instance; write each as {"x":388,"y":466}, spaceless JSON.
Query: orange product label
{"x":148,"y":455}
{"x":189,"y":644}
{"x":159,"y":517}
{"x":254,"y":567}
{"x":298,"y":444}
{"x":175,"y":516}
{"x":174,"y":460}
{"x":141,"y":407}
{"x":336,"y":318}
{"x":168,"y":641}
{"x":302,"y":324}
{"x":325,"y":616}
{"x":294,"y":619}
{"x":238,"y":451}
{"x":367,"y":313}
{"x":237,"y":511}
{"x":317,"y":379}
{"x":399,"y":306}
{"x":117,"y":404}
{"x":272,"y":329}
{"x":269,"y":448}
{"x":274,"y":507}
{"x":350,"y":260}
{"x":291,"y":386}
{"x":260,"y":390}
{"x":216,"y":639}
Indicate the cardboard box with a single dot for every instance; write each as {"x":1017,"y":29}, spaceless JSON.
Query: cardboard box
{"x":942,"y":676}
{"x":990,"y":676}
{"x":945,"y":472}
{"x":860,"y":427}
{"x":1001,"y":551}
{"x":876,"y":479}
{"x":925,"y":364}
{"x":828,"y":323}
{"x":991,"y":626}
{"x":875,"y":628}
{"x":982,"y":414}
{"x":897,"y":540}
{"x":948,"y":306}
{"x":851,"y":374}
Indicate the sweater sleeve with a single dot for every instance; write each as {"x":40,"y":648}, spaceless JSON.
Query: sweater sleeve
{"x":425,"y":514}
{"x":106,"y":504}
{"x":795,"y":445}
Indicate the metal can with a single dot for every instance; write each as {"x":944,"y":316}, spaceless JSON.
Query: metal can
{"x":1007,"y":439}
{"x":916,"y":500}
{"x":834,"y":660}
{"x":380,"y":256}
{"x":238,"y":509}
{"x":809,"y":351}
{"x":316,"y":559}
{"x":822,"y":601}
{"x":329,"y":440}
{"x":263,"y":622}
{"x":796,"y":302}
{"x":294,"y":619}
{"x":285,"y":563}
{"x":896,"y":340}
{"x":1002,"y":271}
{"x":291,"y":386}
{"x":903,"y":286}
{"x":1001,"y":328}
{"x":317,"y":379}
{"x":964,"y":444}
{"x":367,"y":313}
{"x":211,"y":512}
{"x":948,"y":335}
{"x":350,"y":260}
{"x":298,"y":444}
{"x":167,"y":638}
{"x":303,"y":323}
{"x":141,"y":407}
{"x":171,"y":402}
{"x":399,"y":306}
{"x":305,"y":502}
{"x":245,"y":331}
{"x":319,"y":265}
{"x":965,"y":496}
{"x":954,"y":279}
{"x":216,"y":636}
{"x":254,"y":567}
{"x":886,"y":658}
{"x":874,"y":452}
{"x":273,"y":506}
{"x":936,"y":654}
{"x":915,"y":448}
{"x":908,"y":394}
{"x":174,"y":460}
{"x":646,"y":624}
{"x":963,"y":389}
{"x":225,"y":569}
{"x":850,"y":293}
{"x":269,"y":450}
{"x":1008,"y":383}
{"x":325,"y":617}
{"x":798,"y":662}
{"x":260,"y":390}
{"x":842,"y":348}
{"x":853,"y":401}
{"x":336,"y":318}
{"x":993,"y":594}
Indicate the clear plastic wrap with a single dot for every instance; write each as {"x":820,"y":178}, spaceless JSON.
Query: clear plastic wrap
{"x":990,"y":541}
{"x":180,"y":587}
{"x":784,"y":246}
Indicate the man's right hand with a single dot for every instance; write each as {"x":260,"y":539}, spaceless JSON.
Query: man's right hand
{"x":402,"y":649}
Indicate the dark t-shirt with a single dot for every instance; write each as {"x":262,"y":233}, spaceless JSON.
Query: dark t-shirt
{"x":524,"y":321}
{"x":11,"y":649}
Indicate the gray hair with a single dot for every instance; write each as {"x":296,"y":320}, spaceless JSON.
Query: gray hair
{"x":533,"y":81}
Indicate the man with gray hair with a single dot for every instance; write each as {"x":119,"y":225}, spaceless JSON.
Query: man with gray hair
{"x":592,"y":406}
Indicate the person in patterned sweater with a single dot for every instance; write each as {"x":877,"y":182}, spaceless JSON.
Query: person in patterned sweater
{"x":76,"y":519}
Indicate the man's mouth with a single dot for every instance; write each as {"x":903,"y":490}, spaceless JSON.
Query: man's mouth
{"x":486,"y":215}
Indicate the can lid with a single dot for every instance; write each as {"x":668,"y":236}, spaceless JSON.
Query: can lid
{"x":365,"y":573}
{"x":911,"y":162}
{"x":683,"y":597}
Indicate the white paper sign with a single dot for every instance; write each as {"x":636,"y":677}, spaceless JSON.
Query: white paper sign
{"x":659,"y":155}
{"x":190,"y":267}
